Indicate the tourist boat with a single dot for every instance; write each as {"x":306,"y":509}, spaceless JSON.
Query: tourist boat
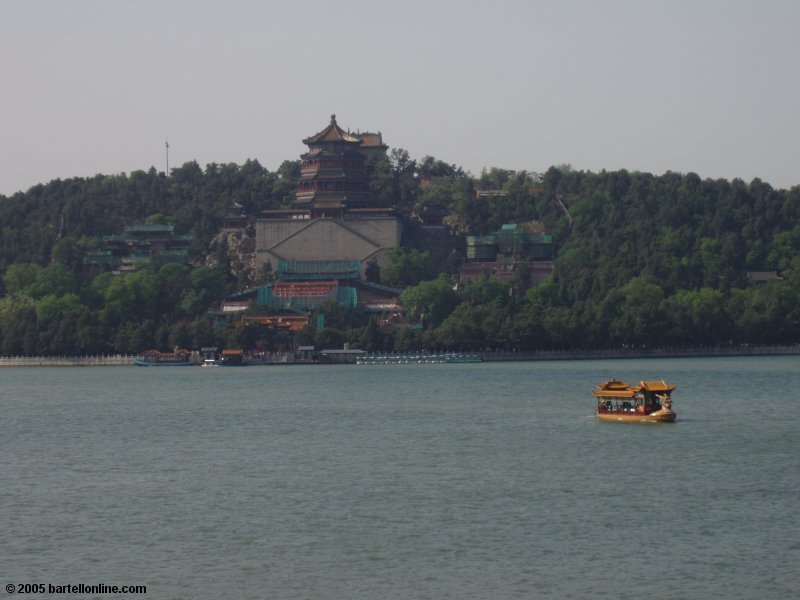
{"x":154,"y":358}
{"x":648,"y":402}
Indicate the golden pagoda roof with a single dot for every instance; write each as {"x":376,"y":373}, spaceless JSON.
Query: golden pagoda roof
{"x":656,"y":386}
{"x":620,"y":389}
{"x":614,"y":389}
{"x":332,"y":133}
{"x":614,"y":384}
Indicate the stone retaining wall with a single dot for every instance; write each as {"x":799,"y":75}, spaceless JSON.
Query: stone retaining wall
{"x":67,"y":361}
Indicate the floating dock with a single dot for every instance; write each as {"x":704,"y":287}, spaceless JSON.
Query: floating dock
{"x":419,"y":358}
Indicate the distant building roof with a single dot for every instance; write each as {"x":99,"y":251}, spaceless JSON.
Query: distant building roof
{"x":762,"y":277}
{"x":235,"y":305}
{"x":490,"y":193}
{"x":149,"y":228}
{"x":370,"y":139}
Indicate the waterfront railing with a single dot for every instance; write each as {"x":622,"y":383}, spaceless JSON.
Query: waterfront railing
{"x":67,"y":361}
{"x":421,"y":357}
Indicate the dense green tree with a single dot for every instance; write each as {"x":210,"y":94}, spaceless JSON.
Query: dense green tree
{"x":70,"y":250}
{"x":408,"y":267}
{"x":697,"y":318}
{"x":406,"y":339}
{"x":404,"y":175}
{"x":52,"y":305}
{"x":431,"y":301}
{"x":469,"y":327}
{"x":19,"y":277}
{"x":142,"y":336}
{"x":174,"y":282}
{"x":17,"y":317}
{"x":486,"y":291}
{"x":202,"y":333}
{"x":180,"y":336}
{"x":785,"y":248}
{"x":639,"y":320}
{"x":382,"y":183}
{"x":205,"y":286}
{"x":431,"y":167}
{"x":55,"y":278}
{"x":305,"y":337}
{"x":371,"y":338}
{"x":329,"y":338}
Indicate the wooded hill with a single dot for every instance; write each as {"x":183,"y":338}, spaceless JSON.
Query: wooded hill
{"x":641,"y":260}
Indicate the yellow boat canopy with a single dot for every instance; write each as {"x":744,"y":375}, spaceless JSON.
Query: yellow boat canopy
{"x":614,"y":389}
{"x":656,"y":386}
{"x":619,"y":389}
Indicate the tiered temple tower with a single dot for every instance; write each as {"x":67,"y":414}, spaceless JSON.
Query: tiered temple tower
{"x":331,"y":223}
{"x":333,"y":178}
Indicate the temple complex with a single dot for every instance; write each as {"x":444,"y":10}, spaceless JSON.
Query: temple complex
{"x":138,"y":245}
{"x":331,"y":217}
{"x":501,"y":254}
{"x":319,"y":247}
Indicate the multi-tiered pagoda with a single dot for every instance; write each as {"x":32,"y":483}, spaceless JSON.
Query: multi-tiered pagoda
{"x":332,"y":175}
{"x":331,"y":225}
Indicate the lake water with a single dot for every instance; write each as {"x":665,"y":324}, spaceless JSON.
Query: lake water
{"x":428,"y":481}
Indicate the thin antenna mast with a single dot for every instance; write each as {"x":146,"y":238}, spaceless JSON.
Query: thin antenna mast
{"x":167,"y":144}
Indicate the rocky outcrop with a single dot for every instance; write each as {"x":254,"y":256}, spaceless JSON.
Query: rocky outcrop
{"x":236,"y":249}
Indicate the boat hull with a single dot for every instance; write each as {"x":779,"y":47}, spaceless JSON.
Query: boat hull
{"x":665,"y":415}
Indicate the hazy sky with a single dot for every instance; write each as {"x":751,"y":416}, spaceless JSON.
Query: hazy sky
{"x":709,"y":86}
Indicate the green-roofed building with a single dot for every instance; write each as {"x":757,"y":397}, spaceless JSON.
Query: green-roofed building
{"x":139,"y":244}
{"x":501,"y":253}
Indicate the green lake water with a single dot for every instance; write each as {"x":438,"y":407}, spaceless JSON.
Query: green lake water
{"x":399,"y":481}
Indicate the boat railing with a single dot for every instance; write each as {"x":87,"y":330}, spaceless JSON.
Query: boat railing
{"x":627,"y":407}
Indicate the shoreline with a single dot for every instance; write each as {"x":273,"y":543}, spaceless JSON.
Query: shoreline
{"x":623,"y":353}
{"x":106,"y":360}
{"x":117,"y":360}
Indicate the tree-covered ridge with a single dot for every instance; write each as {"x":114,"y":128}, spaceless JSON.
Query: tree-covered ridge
{"x":68,"y":212}
{"x":641,"y":259}
{"x":675,"y":230}
{"x":47,"y":311}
